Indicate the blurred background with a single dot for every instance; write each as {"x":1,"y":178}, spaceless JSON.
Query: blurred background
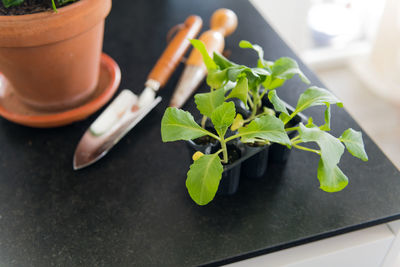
{"x":354,"y":48}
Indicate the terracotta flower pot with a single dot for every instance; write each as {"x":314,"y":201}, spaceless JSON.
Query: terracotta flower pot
{"x":53,"y":59}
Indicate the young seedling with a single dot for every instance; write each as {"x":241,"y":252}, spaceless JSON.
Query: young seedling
{"x":230,"y":80}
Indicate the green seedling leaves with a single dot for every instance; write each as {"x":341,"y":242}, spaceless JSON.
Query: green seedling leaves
{"x":267,"y":128}
{"x":240,"y":91}
{"x":208,"y":102}
{"x":222,"y":61}
{"x":354,"y":143}
{"x":331,"y":178}
{"x":177,"y":124}
{"x":278,"y":104}
{"x":8,"y":3}
{"x":203,"y":178}
{"x":315,"y":96}
{"x":217,"y":78}
{"x":223,"y":117}
{"x":200,"y":46}
{"x":284,"y":69}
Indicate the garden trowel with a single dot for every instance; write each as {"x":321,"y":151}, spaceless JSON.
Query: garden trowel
{"x":223,"y":23}
{"x":128,"y":109}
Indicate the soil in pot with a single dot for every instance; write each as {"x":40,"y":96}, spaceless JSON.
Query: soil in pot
{"x":28,"y":7}
{"x":205,"y":144}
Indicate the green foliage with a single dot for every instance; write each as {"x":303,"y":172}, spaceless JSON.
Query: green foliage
{"x":222,"y":117}
{"x":354,"y":143}
{"x":331,"y":178}
{"x":231,"y":80}
{"x":278,"y":104}
{"x":282,"y":70}
{"x":199,"y":45}
{"x":208,"y":102}
{"x":240,"y":91}
{"x":177,"y":124}
{"x":222,"y":62}
{"x":203,"y":178}
{"x":315,"y":96}
{"x":268,"y":128}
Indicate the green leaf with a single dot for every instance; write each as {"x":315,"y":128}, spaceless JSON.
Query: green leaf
{"x":222,"y":61}
{"x":235,"y":72}
{"x":331,"y":178}
{"x":264,"y":128}
{"x":278,"y":104}
{"x":229,"y":86}
{"x":257,"y":48}
{"x":208,"y":102}
{"x":284,"y":69}
{"x":240,"y":91}
{"x":203,"y":178}
{"x":8,"y":3}
{"x":260,"y":71}
{"x":217,"y":78}
{"x":200,"y":46}
{"x":327,"y":125}
{"x":177,"y":124}
{"x":223,"y":117}
{"x":315,"y":96}
{"x":354,"y":143}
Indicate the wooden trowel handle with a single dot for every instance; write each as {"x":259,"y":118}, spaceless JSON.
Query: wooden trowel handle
{"x":223,"y":23}
{"x":178,"y":46}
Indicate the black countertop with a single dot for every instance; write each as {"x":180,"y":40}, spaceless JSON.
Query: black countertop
{"x":132,"y":207}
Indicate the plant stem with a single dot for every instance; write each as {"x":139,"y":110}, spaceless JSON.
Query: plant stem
{"x":219,"y":151}
{"x":212,"y":135}
{"x":250,"y":101}
{"x":224,"y":151}
{"x":295,"y":138}
{"x":232,"y":137}
{"x":54,"y":6}
{"x":291,"y":129}
{"x":203,"y":122}
{"x":290,"y":117}
{"x":306,"y":149}
{"x":263,"y":93}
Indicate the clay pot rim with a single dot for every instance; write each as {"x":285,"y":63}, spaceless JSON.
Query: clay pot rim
{"x":50,"y":27}
{"x":44,"y":14}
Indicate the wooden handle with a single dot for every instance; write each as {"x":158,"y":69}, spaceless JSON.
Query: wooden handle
{"x":172,"y":55}
{"x":224,"y":20}
{"x":223,"y":23}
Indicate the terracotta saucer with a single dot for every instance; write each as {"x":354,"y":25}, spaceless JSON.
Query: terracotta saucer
{"x":12,"y":109}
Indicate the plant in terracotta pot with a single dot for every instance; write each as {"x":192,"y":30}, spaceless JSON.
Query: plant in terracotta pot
{"x":52,"y":57}
{"x":263,"y":126}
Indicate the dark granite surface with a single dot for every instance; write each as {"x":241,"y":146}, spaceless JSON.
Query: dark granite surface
{"x":132,"y":208}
